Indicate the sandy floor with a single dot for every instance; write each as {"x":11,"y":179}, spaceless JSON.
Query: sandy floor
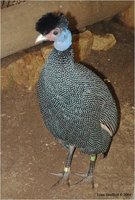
{"x":29,"y":152}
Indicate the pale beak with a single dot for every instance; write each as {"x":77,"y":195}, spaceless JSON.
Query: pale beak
{"x":41,"y":38}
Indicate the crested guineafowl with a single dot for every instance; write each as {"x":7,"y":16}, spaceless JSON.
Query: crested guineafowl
{"x":76,"y":105}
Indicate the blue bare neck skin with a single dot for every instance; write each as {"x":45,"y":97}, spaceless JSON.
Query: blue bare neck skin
{"x":64,"y":41}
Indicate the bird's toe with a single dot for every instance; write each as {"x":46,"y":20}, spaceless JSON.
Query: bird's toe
{"x":80,"y":174}
{"x":64,"y":179}
{"x":85,"y":179}
{"x":57,"y":174}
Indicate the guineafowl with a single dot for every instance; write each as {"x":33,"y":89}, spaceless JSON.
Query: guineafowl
{"x":76,"y":105}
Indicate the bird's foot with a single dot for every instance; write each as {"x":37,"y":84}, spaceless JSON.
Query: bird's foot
{"x":86,"y":178}
{"x":64,"y":178}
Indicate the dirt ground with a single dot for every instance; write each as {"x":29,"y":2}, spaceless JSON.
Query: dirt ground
{"x":30,"y":153}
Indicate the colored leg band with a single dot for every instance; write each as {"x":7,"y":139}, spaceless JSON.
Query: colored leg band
{"x":93,"y":158}
{"x":66,"y":169}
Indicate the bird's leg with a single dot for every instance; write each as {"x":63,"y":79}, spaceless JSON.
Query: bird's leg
{"x":88,"y":177}
{"x":64,"y":177}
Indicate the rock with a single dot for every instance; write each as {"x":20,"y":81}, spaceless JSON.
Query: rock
{"x":24,"y":72}
{"x":34,"y":63}
{"x":82,"y":44}
{"x":46,"y":51}
{"x":127,"y":17}
{"x":103,"y":42}
{"x":6,"y":78}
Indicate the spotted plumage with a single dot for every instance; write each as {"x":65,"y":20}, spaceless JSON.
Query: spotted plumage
{"x":76,"y":105}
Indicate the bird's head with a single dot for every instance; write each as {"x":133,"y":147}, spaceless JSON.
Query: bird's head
{"x":54,"y":27}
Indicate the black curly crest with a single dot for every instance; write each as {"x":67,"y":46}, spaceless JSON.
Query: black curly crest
{"x":50,"y":21}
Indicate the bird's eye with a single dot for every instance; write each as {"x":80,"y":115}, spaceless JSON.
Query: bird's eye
{"x":55,"y":32}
